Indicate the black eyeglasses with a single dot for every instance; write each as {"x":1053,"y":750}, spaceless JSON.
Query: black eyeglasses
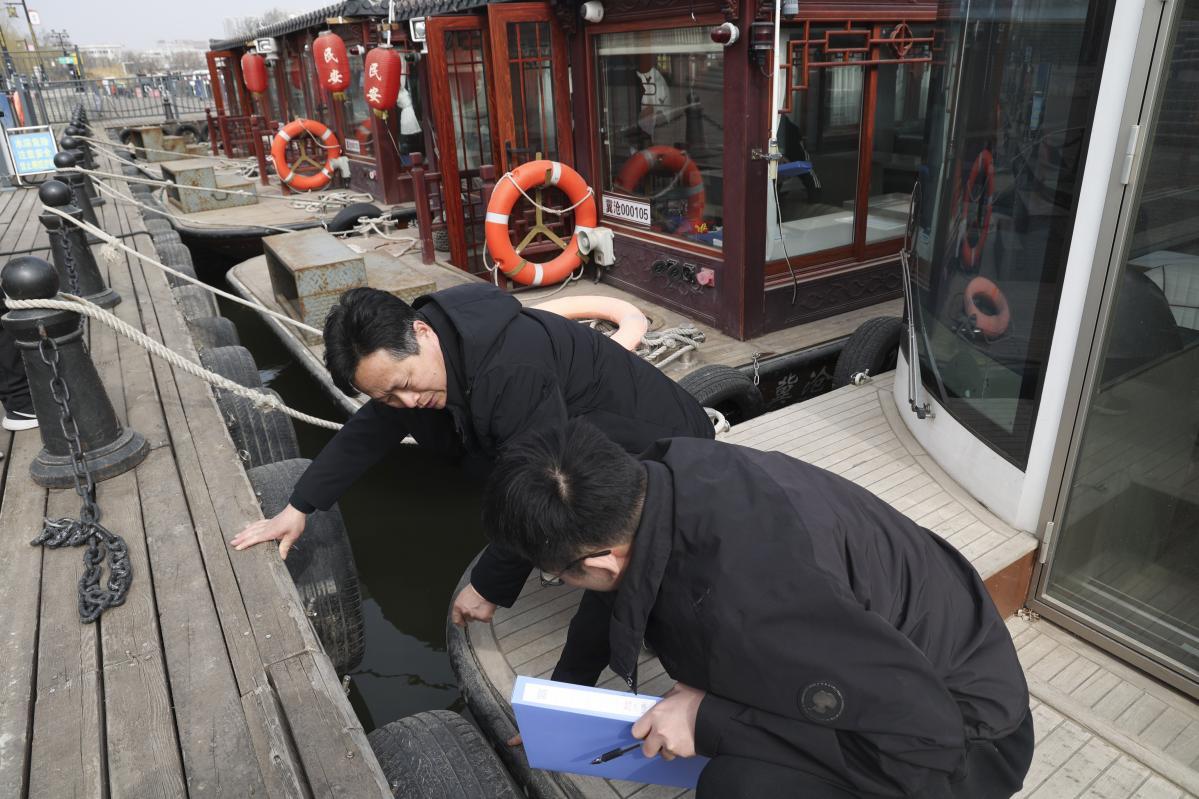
{"x":550,"y":580}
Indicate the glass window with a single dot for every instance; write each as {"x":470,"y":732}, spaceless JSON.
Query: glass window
{"x":360,"y":136}
{"x":531,"y":71}
{"x":661,"y":104}
{"x":1128,"y":556}
{"x":294,"y":80}
{"x":1011,"y":101}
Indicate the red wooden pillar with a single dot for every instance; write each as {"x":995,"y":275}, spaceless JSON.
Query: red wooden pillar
{"x":259,"y":150}
{"x":424,"y":216}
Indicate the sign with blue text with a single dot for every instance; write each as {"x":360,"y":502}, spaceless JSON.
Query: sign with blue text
{"x":32,"y":149}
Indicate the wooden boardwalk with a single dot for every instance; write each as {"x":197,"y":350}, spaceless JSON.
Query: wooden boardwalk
{"x":1104,"y":731}
{"x":208,"y":681}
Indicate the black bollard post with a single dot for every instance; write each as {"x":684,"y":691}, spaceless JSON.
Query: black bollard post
{"x":75,"y":181}
{"x":77,"y":268}
{"x":76,"y":132}
{"x":73,"y":146}
{"x":59,"y":367}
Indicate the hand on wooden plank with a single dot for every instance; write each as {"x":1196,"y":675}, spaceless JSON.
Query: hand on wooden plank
{"x":286,"y":527}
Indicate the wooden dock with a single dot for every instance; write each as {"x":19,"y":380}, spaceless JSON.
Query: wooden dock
{"x":208,"y":681}
{"x":1104,"y":731}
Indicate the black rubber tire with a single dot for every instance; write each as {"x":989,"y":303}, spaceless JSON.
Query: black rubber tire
{"x":126,"y":136}
{"x":186,"y":130}
{"x":440,"y":755}
{"x":178,"y":257}
{"x":728,"y":390}
{"x":347,"y":217}
{"x":260,"y":436}
{"x":235,"y":363}
{"x":157,"y":225}
{"x":873,"y":348}
{"x":441,"y":240}
{"x":166,"y":237}
{"x":195,"y":302}
{"x":211,"y":332}
{"x":321,"y":565}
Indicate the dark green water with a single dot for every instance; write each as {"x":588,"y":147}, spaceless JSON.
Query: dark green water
{"x":414,"y":526}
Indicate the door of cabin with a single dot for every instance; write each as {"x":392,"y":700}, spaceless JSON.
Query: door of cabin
{"x":504,"y":98}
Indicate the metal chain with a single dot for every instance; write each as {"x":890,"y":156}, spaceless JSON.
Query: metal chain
{"x":757,"y":358}
{"x":68,"y":259}
{"x":102,"y":544}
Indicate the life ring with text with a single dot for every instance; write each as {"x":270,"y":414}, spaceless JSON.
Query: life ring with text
{"x":987,"y":307}
{"x":661,"y":156}
{"x":298,"y":130}
{"x":630,"y":323}
{"x":977,"y":214}
{"x":504,"y":197}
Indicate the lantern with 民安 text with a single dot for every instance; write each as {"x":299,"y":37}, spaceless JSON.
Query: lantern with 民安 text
{"x":332,"y":63}
{"x":253,"y":73}
{"x":381,"y":76}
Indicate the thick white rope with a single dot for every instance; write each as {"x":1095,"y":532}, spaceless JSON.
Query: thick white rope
{"x":112,"y":241}
{"x":335,"y":197}
{"x":111,"y":192}
{"x":261,"y":400}
{"x":320,"y":202}
{"x":114,"y":149}
{"x":556,"y":211}
{"x":683,"y":339}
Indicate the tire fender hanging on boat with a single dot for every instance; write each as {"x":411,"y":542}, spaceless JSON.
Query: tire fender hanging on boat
{"x":327,"y":140}
{"x":508,"y":190}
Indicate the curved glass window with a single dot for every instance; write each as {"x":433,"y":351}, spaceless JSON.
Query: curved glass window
{"x":1011,"y":103}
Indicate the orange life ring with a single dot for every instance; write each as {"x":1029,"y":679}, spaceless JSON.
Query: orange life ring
{"x":504,"y":197}
{"x":991,"y":321}
{"x":630,"y":323}
{"x":300,"y":127}
{"x":662,"y":156}
{"x":983,"y":165}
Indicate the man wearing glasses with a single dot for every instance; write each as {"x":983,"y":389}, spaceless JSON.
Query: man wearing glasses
{"x":824,"y":645}
{"x":463,"y":371}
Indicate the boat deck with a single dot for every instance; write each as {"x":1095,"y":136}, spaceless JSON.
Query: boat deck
{"x":208,"y":681}
{"x":1103,"y":729}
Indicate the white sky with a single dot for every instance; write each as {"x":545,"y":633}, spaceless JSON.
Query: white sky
{"x":139,"y":24}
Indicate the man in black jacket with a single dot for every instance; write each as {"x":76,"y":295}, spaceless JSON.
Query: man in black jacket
{"x":463,"y":371}
{"x":825,"y":646}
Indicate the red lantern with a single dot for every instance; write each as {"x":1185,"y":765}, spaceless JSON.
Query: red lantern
{"x":332,"y":63}
{"x":381,"y":76}
{"x":253,"y":73}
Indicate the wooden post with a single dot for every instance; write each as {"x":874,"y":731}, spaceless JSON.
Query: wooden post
{"x":223,"y":123}
{"x":424,"y":217}
{"x":259,"y":153}
{"x":211,"y":130}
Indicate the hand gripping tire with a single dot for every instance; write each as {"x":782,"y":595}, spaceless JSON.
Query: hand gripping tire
{"x":299,"y":131}
{"x":504,"y":198}
{"x":660,"y":156}
{"x":978,"y":219}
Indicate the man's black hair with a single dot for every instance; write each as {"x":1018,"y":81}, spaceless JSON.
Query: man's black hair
{"x":557,"y":495}
{"x":364,"y":321}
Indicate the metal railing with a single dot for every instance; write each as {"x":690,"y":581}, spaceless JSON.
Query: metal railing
{"x":119,"y":99}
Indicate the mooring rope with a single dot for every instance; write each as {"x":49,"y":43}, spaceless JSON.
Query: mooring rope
{"x":130,"y":200}
{"x":239,"y":164}
{"x":683,"y":339}
{"x":261,"y":400}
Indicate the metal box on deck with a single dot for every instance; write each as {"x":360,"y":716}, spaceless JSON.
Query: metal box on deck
{"x":309,"y":269}
{"x":197,"y":172}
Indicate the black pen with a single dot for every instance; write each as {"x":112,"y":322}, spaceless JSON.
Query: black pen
{"x":615,"y":753}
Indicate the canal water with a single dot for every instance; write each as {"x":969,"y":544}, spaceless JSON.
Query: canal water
{"x":414,"y":525}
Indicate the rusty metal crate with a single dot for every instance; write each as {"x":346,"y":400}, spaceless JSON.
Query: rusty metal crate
{"x":309,"y":269}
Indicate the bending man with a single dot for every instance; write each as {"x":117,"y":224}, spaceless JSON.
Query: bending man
{"x":825,"y":646}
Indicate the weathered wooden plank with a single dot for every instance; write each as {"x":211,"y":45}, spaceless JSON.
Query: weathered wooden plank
{"x":328,"y":737}
{"x":1079,"y":772}
{"x":1120,"y":781}
{"x":67,"y":755}
{"x":24,"y":504}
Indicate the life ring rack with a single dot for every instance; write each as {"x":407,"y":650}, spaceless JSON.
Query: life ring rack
{"x":292,"y":132}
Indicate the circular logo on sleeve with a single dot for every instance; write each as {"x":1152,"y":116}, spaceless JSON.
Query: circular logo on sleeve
{"x":822,"y":701}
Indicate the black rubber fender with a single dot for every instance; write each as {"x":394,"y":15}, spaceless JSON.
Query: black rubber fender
{"x":347,"y":217}
{"x":211,"y":332}
{"x":728,"y":390}
{"x":195,"y":302}
{"x":440,"y":755}
{"x":176,"y":255}
{"x":873,"y":348}
{"x":234,"y":363}
{"x":321,"y":565}
{"x":260,"y":436}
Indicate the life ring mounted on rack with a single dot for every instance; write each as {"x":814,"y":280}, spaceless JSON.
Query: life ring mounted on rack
{"x":305,"y":132}
{"x":508,"y":190}
{"x":976,"y":208}
{"x":672,"y":159}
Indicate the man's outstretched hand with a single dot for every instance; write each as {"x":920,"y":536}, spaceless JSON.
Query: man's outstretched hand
{"x":286,"y":526}
{"x":470,"y":605}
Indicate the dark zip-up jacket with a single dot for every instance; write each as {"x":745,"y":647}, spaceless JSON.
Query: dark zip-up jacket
{"x":832,"y":634}
{"x":508,"y":369}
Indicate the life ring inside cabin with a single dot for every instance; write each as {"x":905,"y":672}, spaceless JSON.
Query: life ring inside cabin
{"x":305,"y":132}
{"x":661,"y":156}
{"x":976,"y":208}
{"x":986,"y":305}
{"x":504,"y":197}
{"x":631,"y":324}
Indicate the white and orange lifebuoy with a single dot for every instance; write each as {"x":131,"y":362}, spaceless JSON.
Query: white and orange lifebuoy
{"x":661,"y":156}
{"x":993,"y":315}
{"x":984,"y":167}
{"x":286,"y":172}
{"x":631,"y":324}
{"x":503,"y":199}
